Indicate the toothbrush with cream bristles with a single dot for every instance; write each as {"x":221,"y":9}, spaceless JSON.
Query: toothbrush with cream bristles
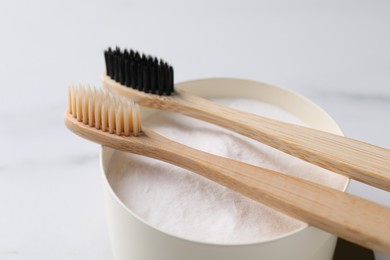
{"x":115,"y":122}
{"x":150,"y":83}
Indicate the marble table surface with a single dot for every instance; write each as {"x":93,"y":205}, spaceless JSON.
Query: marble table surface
{"x":51,"y":204}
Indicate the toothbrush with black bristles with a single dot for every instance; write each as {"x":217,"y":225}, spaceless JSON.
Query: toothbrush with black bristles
{"x":150,"y":82}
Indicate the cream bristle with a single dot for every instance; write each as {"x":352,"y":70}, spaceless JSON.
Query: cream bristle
{"x":136,"y":120}
{"x":104,"y":114}
{"x":118,"y":119}
{"x":104,"y":110}
{"x":98,"y":113}
{"x":78,"y":106}
{"x":91,"y":118}
{"x":84,"y":107}
{"x":111,"y":118}
{"x":126,"y":123}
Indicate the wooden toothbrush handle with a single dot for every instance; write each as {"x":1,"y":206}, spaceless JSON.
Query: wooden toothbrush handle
{"x":358,"y":160}
{"x":350,"y":217}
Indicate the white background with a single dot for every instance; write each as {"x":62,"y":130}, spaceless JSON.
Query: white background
{"x":336,"y":53}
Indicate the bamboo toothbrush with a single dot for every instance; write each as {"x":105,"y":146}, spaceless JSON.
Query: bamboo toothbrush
{"x":150,"y":83}
{"x":115,"y":122}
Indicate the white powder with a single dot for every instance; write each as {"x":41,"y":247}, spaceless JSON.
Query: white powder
{"x":184,"y":204}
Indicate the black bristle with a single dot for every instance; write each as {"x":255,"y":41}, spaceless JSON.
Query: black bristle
{"x":153,"y":78}
{"x":133,"y":81}
{"x":121,"y":76}
{"x":146,"y":78}
{"x":118,"y":68}
{"x":136,"y":56}
{"x":166,"y":73}
{"x":170,"y":81}
{"x":126,"y":54}
{"x":160,"y":80}
{"x":139,"y":71}
{"x":111,"y":63}
{"x":114,"y":66}
{"x":127,"y":74}
{"x":140,"y":77}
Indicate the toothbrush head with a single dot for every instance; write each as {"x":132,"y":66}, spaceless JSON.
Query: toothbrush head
{"x":139,"y":71}
{"x":104,"y":111}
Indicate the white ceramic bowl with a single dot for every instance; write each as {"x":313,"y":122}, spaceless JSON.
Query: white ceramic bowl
{"x":133,"y":239}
